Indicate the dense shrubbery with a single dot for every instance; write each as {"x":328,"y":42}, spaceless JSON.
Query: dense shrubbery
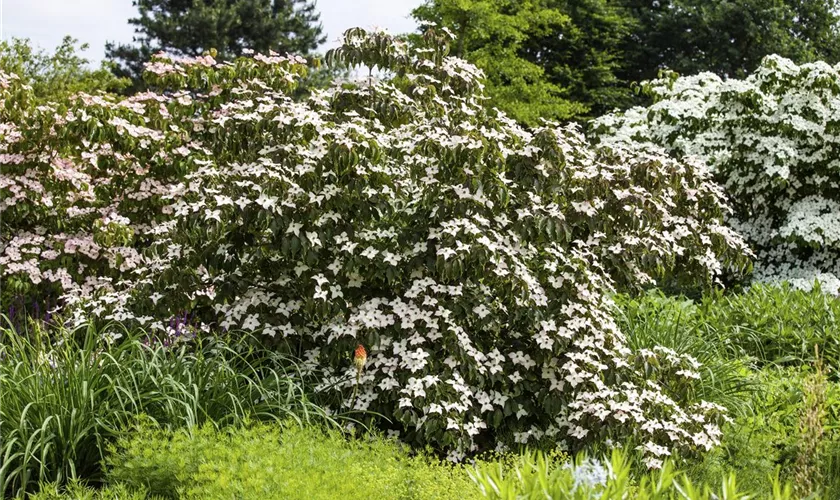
{"x":771,"y":141}
{"x":485,"y":275}
{"x":758,"y":353}
{"x":63,"y":398}
{"x":471,"y":256}
{"x":771,"y":325}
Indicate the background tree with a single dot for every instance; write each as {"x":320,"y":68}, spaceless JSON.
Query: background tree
{"x":568,"y":59}
{"x":553,"y":59}
{"x":57,"y":74}
{"x":191,"y":27}
{"x":725,"y":37}
{"x":586,"y":55}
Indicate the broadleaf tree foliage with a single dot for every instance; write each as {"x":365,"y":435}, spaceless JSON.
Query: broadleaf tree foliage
{"x":545,"y":59}
{"x":472,"y":258}
{"x":57,"y":74}
{"x":577,"y":59}
{"x":727,"y":38}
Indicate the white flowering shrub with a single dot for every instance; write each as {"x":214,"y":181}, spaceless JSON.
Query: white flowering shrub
{"x":771,"y":140}
{"x":474,"y":259}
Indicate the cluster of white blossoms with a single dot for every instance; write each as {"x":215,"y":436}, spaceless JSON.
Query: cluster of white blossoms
{"x":472,"y":258}
{"x":771,"y":140}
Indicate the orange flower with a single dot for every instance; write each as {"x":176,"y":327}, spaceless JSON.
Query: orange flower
{"x":359,"y":358}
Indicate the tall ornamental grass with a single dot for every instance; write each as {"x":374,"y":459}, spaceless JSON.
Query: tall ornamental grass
{"x":675,"y":326}
{"x":63,"y":399}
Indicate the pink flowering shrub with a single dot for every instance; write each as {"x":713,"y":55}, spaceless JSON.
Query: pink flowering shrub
{"x":472,"y":258}
{"x":87,"y":185}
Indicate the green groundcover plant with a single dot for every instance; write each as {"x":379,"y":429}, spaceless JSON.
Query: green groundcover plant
{"x":271,"y":461}
{"x":472,"y":258}
{"x":281,"y":462}
{"x":78,"y":491}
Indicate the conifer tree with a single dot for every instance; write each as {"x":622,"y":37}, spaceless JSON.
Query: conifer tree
{"x":191,"y":27}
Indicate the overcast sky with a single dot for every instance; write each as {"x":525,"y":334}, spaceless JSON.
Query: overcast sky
{"x":46,"y":22}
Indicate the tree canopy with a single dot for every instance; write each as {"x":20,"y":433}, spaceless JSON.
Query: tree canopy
{"x":725,"y":37}
{"x":57,"y":74}
{"x":192,"y":27}
{"x":572,"y":59}
{"x":552,"y":59}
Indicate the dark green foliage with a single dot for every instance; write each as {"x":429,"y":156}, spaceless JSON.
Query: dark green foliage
{"x":552,"y":59}
{"x":770,"y":325}
{"x":572,"y":59}
{"x":287,"y":462}
{"x":585,"y":56}
{"x":63,"y":399}
{"x":727,"y":37}
{"x":776,"y":325}
{"x":192,"y":27}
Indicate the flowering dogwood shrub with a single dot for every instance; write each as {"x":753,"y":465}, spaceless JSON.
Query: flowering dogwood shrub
{"x":86,"y":185}
{"x":771,"y":140}
{"x":472,"y":258}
